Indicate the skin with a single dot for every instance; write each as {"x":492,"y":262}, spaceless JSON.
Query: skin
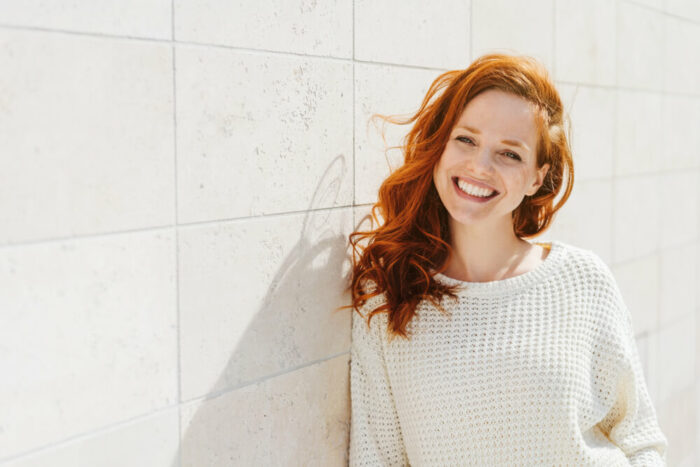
{"x":485,"y":245}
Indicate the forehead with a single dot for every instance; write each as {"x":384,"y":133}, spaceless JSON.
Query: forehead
{"x":501,"y":113}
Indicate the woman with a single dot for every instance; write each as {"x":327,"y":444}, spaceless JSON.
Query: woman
{"x":486,"y":348}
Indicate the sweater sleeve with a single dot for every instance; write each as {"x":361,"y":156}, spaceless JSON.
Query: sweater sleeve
{"x":632,"y":423}
{"x":375,"y":433}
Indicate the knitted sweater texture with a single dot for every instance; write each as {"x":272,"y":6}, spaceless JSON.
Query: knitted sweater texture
{"x":536,"y":369}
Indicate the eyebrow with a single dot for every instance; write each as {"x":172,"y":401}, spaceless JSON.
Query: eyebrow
{"x":510,"y":142}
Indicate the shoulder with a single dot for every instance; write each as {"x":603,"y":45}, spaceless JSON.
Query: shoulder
{"x":588,"y":266}
{"x":591,"y":280}
{"x":596,"y":286}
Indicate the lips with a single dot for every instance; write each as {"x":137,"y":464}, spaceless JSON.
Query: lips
{"x":471,"y":181}
{"x":477,"y":199}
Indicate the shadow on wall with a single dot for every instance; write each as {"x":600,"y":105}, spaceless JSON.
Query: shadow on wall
{"x":261,"y":411}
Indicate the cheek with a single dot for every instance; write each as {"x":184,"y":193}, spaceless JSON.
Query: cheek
{"x":439,"y":171}
{"x":517,"y":180}
{"x":440,"y":180}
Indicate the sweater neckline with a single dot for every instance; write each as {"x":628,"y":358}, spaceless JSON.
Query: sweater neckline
{"x":511,"y":284}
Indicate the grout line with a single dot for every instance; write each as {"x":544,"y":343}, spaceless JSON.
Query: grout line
{"x":93,"y":433}
{"x":69,"y":32}
{"x":222,"y":392}
{"x":354,"y":164}
{"x":613,"y":230}
{"x":471,"y":30}
{"x":251,"y":50}
{"x":658,"y":251}
{"x":663,"y":12}
{"x":178,"y":382}
{"x":615,"y":87}
{"x":170,"y":226}
{"x":88,"y":236}
{"x":172,"y":20}
{"x":632,"y":176}
{"x":554,"y":39}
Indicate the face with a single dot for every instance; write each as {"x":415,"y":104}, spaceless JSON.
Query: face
{"x":492,"y":147}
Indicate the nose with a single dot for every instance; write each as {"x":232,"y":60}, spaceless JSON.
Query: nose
{"x":480,"y":162}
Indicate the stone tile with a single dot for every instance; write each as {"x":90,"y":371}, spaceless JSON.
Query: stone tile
{"x":697,"y":288}
{"x":90,"y":326}
{"x":689,"y":9}
{"x":678,"y":422}
{"x":297,"y":26}
{"x":682,"y":56}
{"x":584,"y":41}
{"x":688,"y":461}
{"x":257,"y":297}
{"x":639,"y":283}
{"x":679,"y":136}
{"x":592,"y":113}
{"x":149,"y":441}
{"x":678,"y":276}
{"x":391,"y":91}
{"x":697,"y":346}
{"x":639,"y":148}
{"x":87,"y":135}
{"x":413,"y":32}
{"x":636,"y":219}
{"x":593,"y":230}
{"x":678,"y":201}
{"x":655,"y":4}
{"x":239,"y":427}
{"x":641,"y":44}
{"x":676,"y":368}
{"x":522,"y":28}
{"x":697,"y":419}
{"x":142,"y":18}
{"x":258,"y":133}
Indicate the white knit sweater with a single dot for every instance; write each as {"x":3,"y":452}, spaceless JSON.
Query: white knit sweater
{"x":537,"y":369}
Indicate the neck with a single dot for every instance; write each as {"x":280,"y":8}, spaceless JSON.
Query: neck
{"x":483,"y":253}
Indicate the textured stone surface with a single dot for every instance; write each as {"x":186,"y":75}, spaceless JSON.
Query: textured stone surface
{"x":86,"y":135}
{"x":256,"y":133}
{"x":297,"y":418}
{"x":89,"y":336}
{"x":174,"y":213}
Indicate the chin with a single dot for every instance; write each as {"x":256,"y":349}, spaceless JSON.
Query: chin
{"x":467,"y":219}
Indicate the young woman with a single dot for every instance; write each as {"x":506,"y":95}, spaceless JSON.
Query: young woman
{"x":472,"y":345}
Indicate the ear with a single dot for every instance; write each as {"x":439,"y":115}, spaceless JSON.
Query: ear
{"x":541,"y":173}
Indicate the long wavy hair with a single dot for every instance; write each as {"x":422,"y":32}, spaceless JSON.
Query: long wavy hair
{"x":412,"y":239}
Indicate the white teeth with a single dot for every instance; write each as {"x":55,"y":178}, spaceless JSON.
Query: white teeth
{"x":473,"y":190}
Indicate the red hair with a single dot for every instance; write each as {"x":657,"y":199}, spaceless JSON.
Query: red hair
{"x":414,"y":236}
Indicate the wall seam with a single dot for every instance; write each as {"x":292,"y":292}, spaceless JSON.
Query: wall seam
{"x":178,"y":384}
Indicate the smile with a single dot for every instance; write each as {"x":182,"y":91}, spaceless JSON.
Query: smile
{"x":472,"y":192}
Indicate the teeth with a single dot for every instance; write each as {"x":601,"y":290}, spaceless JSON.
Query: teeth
{"x":473,"y":190}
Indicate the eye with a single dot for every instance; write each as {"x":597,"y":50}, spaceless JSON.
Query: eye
{"x":512,"y":155}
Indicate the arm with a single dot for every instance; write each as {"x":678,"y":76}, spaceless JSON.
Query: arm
{"x":375,"y":433}
{"x":631,"y":423}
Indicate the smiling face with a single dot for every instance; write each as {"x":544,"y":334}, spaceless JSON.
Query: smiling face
{"x":492,"y":146}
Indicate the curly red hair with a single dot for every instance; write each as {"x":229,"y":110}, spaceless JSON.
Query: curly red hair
{"x":413,"y":238}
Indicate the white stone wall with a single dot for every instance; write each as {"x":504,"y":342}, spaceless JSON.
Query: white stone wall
{"x":178,"y":179}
